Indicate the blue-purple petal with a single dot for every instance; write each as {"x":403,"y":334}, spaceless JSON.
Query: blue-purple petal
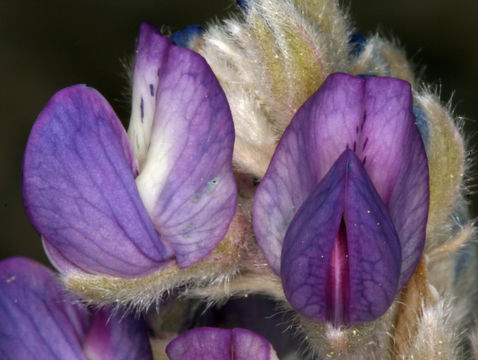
{"x":201,"y":344}
{"x":79,"y":189}
{"x":188,"y":37}
{"x":60,"y":262}
{"x":39,"y":321}
{"x":117,"y":337}
{"x":219,"y":344}
{"x":357,"y":43}
{"x":374,"y":248}
{"x":186,"y":182}
{"x":249,"y":345}
{"x":341,"y":254}
{"x":308,"y":245}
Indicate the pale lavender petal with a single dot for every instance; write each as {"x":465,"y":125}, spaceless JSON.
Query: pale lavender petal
{"x":201,"y":344}
{"x":117,"y":337}
{"x":187,"y":183}
{"x":151,"y":52}
{"x":249,"y":345}
{"x":79,"y":190}
{"x":396,"y":163}
{"x":341,"y":254}
{"x":39,"y":321}
{"x":320,"y":131}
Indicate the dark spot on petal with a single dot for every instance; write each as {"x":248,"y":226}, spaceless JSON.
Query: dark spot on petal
{"x":142,"y":109}
{"x":185,"y":231}
{"x":196,"y":197}
{"x":364,"y":119}
{"x":213,"y":182}
{"x":364,"y":160}
{"x":151,"y":89}
{"x":355,"y":146}
{"x":365,"y":143}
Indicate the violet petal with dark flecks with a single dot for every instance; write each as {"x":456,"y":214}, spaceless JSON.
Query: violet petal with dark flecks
{"x":186,"y":182}
{"x":319,"y":132}
{"x":151,"y":52}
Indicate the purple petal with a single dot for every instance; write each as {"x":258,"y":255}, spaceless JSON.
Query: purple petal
{"x":201,"y":344}
{"x":372,"y":117}
{"x":374,"y":247}
{"x":115,"y":337}
{"x":396,"y":163}
{"x":38,"y":320}
{"x":249,"y":345}
{"x":320,"y":131}
{"x":151,"y":54}
{"x":79,"y":189}
{"x":341,"y":254}
{"x":219,"y":344}
{"x":187,"y":183}
{"x":309,"y":243}
{"x":60,"y":263}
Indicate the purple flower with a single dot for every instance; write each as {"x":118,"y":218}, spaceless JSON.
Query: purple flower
{"x":220,"y":344}
{"x":341,"y":212}
{"x":40,"y":321}
{"x":105,"y":206}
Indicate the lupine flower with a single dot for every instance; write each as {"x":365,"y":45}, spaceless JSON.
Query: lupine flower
{"x":341,"y":212}
{"x":220,"y":344}
{"x":358,"y":219}
{"x":41,"y":321}
{"x":106,"y":204}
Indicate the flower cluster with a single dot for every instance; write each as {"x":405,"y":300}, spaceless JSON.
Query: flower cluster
{"x":278,"y":154}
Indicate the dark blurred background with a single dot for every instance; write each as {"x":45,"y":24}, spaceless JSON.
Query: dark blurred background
{"x":47,"y":45}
